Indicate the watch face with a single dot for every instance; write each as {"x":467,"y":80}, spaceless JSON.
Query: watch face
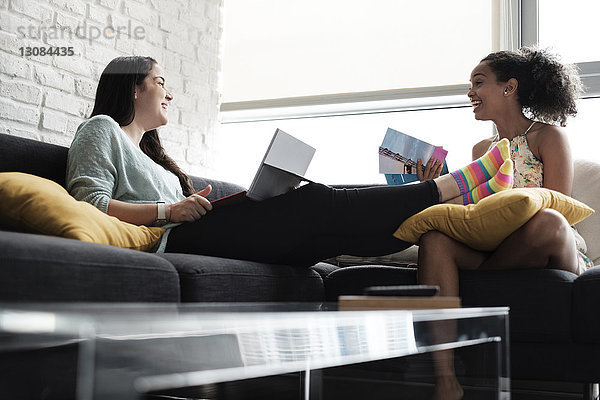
{"x":161,"y":212}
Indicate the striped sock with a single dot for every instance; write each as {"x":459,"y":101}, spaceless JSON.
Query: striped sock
{"x":482,"y":169}
{"x":501,"y":181}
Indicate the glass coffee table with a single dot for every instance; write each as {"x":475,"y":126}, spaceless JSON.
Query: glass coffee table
{"x":263,"y":350}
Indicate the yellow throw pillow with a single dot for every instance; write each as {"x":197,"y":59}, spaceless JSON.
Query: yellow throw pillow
{"x":483,"y":226}
{"x":38,"y":205}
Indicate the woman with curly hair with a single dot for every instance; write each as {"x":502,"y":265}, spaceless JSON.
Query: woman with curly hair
{"x":527,"y":94}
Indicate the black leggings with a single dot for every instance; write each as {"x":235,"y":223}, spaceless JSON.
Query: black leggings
{"x":306,"y":225}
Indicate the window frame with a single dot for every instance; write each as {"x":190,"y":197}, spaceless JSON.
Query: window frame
{"x":529,"y":23}
{"x":516,"y":24}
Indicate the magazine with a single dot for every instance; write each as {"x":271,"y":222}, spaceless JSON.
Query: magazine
{"x":398,"y":155}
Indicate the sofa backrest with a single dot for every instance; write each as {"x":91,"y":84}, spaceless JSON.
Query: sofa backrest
{"x":49,"y":161}
{"x":18,"y":154}
{"x":219,"y":188}
{"x":586,"y":188}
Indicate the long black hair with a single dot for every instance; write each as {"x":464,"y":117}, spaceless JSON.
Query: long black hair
{"x":115,"y":97}
{"x":547,"y":90}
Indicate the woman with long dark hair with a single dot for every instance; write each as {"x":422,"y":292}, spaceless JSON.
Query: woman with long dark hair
{"x":117,"y":163}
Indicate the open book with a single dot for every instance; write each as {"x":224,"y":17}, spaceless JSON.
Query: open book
{"x":398,"y":155}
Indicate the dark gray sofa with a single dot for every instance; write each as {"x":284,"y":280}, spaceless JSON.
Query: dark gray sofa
{"x":554,"y":318}
{"x":41,"y":268}
{"x":554,"y":322}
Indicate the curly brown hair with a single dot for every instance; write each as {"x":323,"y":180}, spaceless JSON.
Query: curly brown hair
{"x":547,"y":90}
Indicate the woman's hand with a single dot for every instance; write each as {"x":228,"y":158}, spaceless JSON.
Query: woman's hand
{"x":190,"y":209}
{"x":433,"y":169}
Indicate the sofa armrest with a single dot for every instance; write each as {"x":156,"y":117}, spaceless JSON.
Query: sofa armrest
{"x":586,"y":300}
{"x":586,"y":180}
{"x":219,"y":188}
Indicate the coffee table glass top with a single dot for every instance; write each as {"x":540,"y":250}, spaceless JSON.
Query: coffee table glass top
{"x":127,"y":349}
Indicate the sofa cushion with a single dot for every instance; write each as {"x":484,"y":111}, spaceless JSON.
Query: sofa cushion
{"x":558,"y":362}
{"x":45,"y":268}
{"x":586,"y":182}
{"x":540,"y":300}
{"x":483,"y":226}
{"x":38,"y":205}
{"x":33,"y":157}
{"x":219,"y":188}
{"x":324,"y":269}
{"x":205,"y":278}
{"x":586,"y":301}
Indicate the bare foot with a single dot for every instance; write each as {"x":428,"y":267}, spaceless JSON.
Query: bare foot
{"x":447,"y":388}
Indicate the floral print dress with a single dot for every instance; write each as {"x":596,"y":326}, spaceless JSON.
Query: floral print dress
{"x":529,"y":172}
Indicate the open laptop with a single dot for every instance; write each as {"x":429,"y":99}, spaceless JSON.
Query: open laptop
{"x":281,"y":170}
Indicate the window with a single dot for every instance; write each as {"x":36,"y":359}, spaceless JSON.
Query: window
{"x":571,"y":28}
{"x":343,"y":104}
{"x":347,"y":145}
{"x":294,"y":48}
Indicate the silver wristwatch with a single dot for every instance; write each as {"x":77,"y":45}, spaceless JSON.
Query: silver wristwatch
{"x":161,"y":213}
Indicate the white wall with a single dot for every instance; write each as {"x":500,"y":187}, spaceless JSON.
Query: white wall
{"x":47,"y":97}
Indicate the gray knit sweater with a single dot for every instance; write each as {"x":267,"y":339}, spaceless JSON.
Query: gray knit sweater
{"x":104,"y":164}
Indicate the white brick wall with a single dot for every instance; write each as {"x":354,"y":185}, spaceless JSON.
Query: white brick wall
{"x":47,"y":97}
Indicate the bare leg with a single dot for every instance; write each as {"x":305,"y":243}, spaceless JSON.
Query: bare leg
{"x":545,"y":241}
{"x":447,"y":188}
{"x":439,"y":259}
{"x":443,"y":272}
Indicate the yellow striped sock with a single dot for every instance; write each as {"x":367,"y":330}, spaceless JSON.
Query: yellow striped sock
{"x":483,"y":169}
{"x":501,"y":181}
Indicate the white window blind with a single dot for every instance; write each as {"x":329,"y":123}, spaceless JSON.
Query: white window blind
{"x":277,"y":49}
{"x":571,"y":28}
{"x":437,"y":43}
